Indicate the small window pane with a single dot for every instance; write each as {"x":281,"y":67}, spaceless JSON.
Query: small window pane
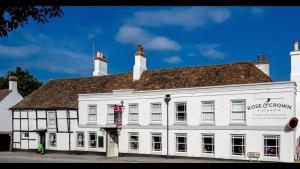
{"x":133,"y":113}
{"x":100,"y":141}
{"x":238,"y":144}
{"x":180,"y":112}
{"x":181,"y":142}
{"x":133,"y":141}
{"x":156,"y":142}
{"x":271,"y":146}
{"x":208,"y":143}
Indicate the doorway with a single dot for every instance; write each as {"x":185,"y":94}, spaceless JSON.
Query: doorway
{"x":4,"y":142}
{"x":112,"y":143}
{"x":42,"y":139}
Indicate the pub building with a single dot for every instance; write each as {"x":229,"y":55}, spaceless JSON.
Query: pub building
{"x":228,"y":111}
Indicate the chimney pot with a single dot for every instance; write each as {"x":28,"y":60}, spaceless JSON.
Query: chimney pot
{"x":265,"y":59}
{"x":258,"y":58}
{"x":296,"y":46}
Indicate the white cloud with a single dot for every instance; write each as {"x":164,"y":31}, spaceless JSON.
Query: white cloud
{"x":133,"y":35}
{"x":211,"y":51}
{"x":189,"y":18}
{"x":172,"y":60}
{"x":257,"y":11}
{"x":18,"y":51}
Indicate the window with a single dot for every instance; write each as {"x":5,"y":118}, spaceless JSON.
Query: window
{"x":110,"y":113}
{"x":238,"y":145}
{"x":271,"y":146}
{"x":133,"y":112}
{"x":25,"y":135}
{"x":51,"y":119}
{"x":208,"y":143}
{"x":80,"y":139}
{"x":208,"y":111}
{"x":133,"y":141}
{"x":156,"y":112}
{"x":238,"y":111}
{"x":181,"y":142}
{"x":52,"y":139}
{"x":180,"y":109}
{"x":156,"y":142}
{"x":92,"y":115}
{"x":100,"y":141}
{"x":93,"y":140}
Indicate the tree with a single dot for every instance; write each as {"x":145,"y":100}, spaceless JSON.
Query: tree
{"x":27,"y":83}
{"x":12,"y":17}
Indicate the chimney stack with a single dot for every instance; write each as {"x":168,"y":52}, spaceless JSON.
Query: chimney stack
{"x":295,"y":62}
{"x":140,"y":63}
{"x":100,"y":65}
{"x":13,"y":83}
{"x":263,"y":65}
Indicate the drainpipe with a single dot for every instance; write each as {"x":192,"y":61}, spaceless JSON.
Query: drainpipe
{"x":167,"y":100}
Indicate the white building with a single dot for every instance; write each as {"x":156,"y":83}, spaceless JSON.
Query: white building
{"x":8,"y":98}
{"x":219,"y":111}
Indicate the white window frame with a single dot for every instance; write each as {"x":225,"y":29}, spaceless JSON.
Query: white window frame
{"x":133,"y":141}
{"x":95,"y":133}
{"x":208,"y":135}
{"x":89,"y":113}
{"x":131,"y":114}
{"x":177,"y":144}
{"x":51,"y":119}
{"x":153,"y":142}
{"x":277,"y":138}
{"x":49,"y":140}
{"x":156,"y":121}
{"x":110,"y":106}
{"x":77,"y":139}
{"x":232,"y":112}
{"x":176,"y":112}
{"x":243,"y":145}
{"x":204,"y":112}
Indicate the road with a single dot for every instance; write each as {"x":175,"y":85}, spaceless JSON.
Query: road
{"x":30,"y":157}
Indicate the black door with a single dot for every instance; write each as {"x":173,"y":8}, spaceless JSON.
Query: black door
{"x":43,"y":139}
{"x":4,"y":142}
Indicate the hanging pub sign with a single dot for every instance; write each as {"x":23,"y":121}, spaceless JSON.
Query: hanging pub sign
{"x":118,"y":115}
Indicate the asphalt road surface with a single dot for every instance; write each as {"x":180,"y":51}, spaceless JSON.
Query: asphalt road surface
{"x":29,"y":157}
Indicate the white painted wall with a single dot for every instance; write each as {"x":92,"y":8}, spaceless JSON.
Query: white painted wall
{"x":254,"y":129}
{"x":5,"y":114}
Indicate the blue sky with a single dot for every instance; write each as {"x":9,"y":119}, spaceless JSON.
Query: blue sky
{"x":171,"y":36}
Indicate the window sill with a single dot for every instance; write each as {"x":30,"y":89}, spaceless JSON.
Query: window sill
{"x":156,"y":124}
{"x":133,"y":151}
{"x":156,"y":152}
{"x":242,"y":157}
{"x":207,"y":124}
{"x":180,"y":123}
{"x":133,"y":123}
{"x":238,"y":124}
{"x":180,"y":154}
{"x":91,"y":123}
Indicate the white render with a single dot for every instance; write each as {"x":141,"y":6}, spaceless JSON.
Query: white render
{"x":222,"y":128}
{"x":6,"y":116}
{"x":100,"y":67}
{"x":265,"y":67}
{"x":140,"y":65}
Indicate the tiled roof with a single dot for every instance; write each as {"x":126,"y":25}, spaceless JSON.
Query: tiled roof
{"x":4,"y":93}
{"x":63,"y":93}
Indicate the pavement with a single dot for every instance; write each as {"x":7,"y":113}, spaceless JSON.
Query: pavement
{"x":31,"y":157}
